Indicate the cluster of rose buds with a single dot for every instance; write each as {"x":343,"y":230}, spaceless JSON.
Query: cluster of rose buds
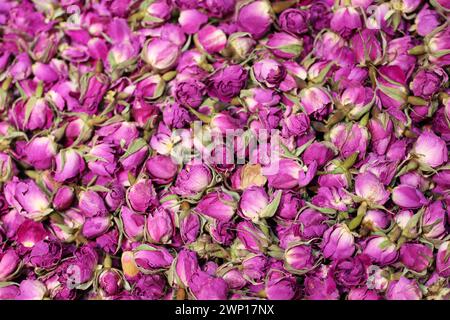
{"x":331,"y":179}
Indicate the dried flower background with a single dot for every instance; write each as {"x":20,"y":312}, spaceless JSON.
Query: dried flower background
{"x":107,"y":193}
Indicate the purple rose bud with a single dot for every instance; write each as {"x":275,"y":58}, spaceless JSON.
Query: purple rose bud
{"x":367,"y":47}
{"x":160,"y":226}
{"x":219,"y":8}
{"x":403,"y":289}
{"x":44,"y":72}
{"x":376,"y":219}
{"x":430,"y":149}
{"x":296,"y":125}
{"x":381,"y":250}
{"x":217,"y":205}
{"x":299,"y":258}
{"x":316,"y":102}
{"x":212,"y":39}
{"x":92,"y":89}
{"x":32,"y":290}
{"x":318,"y":152}
{"x":240,"y":46}
{"x":190,"y":228}
{"x":7,"y":167}
{"x":115,"y":197}
{"x":135,"y":154}
{"x":338,"y":242}
{"x":9,"y":262}
{"x":222,"y":232}
{"x":31,"y":115}
{"x":368,"y":187}
{"x":287,"y":175}
{"x":255,"y":17}
{"x":91,"y":204}
{"x":141,"y":195}
{"x":160,"y":54}
{"x":110,"y":282}
{"x":21,"y":68}
{"x":350,"y":138}
{"x":415,"y":256}
{"x":151,"y":87}
{"x":443,"y":259}
{"x":426,"y":21}
{"x":226,"y":83}
{"x":161,"y":169}
{"x":269,"y":72}
{"x":253,"y":202}
{"x":27,"y":198}
{"x":30,"y":232}
{"x":191,"y":20}
{"x":207,"y":287}
{"x":408,"y":197}
{"x":133,"y":223}
{"x":9,"y":292}
{"x":281,"y":286}
{"x":149,"y":287}
{"x":186,"y":265}
{"x":392,"y":90}
{"x":294,"y":21}
{"x":321,"y":286}
{"x":150,"y":257}
{"x":254,"y":267}
{"x":190,"y":93}
{"x":46,"y":254}
{"x":363,"y":293}
{"x":193,"y":179}
{"x":433,"y":221}
{"x":381,"y":131}
{"x":285,"y":46}
{"x":351,"y":272}
{"x":234,"y":278}
{"x":438,"y":47}
{"x":427,"y":82}
{"x":69,"y":164}
{"x":345,"y":20}
{"x":95,"y":226}
{"x":312,"y":224}
{"x":63,"y":198}
{"x":252,"y":237}
{"x":103,"y":161}
{"x":289,"y":205}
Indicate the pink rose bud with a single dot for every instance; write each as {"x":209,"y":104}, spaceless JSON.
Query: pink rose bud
{"x":294,"y":21}
{"x":284,"y":45}
{"x":205,"y":286}
{"x":30,"y":233}
{"x":160,"y":54}
{"x":345,"y":20}
{"x":381,"y":131}
{"x":95,"y":226}
{"x":141,"y":195}
{"x":21,"y":68}
{"x":376,"y":220}
{"x":44,"y":72}
{"x":191,"y":20}
{"x":150,"y":87}
{"x":381,"y":250}
{"x":253,"y":202}
{"x":192,"y":180}
{"x":299,"y":258}
{"x":240,"y":46}
{"x":186,"y":264}
{"x":9,"y":261}
{"x":408,"y":197}
{"x":160,"y":226}
{"x":316,"y":101}
{"x":443,"y":260}
{"x":40,"y":152}
{"x":350,"y":138}
{"x":31,"y":115}
{"x":430,"y":149}
{"x":368,"y":187}
{"x":252,"y":237}
{"x":403,"y":289}
{"x":91,"y":204}
{"x":32,"y":290}
{"x":433,"y":221}
{"x":151,"y":258}
{"x":161,"y":169}
{"x":93,"y":87}
{"x":63,"y":198}
{"x":338,"y":242}
{"x":255,"y":18}
{"x":133,"y":223}
{"x":7,"y":167}
{"x":212,"y":39}
{"x":27,"y":198}
{"x":217,"y":205}
{"x":415,"y":256}
{"x":269,"y":72}
{"x":157,"y":12}
{"x":69,"y":164}
{"x":101,"y":159}
{"x":427,"y":20}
